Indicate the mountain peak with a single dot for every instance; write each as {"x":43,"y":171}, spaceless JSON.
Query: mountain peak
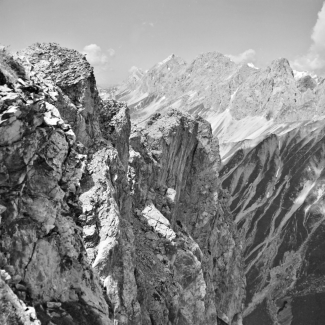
{"x":281,"y":65}
{"x":172,"y":58}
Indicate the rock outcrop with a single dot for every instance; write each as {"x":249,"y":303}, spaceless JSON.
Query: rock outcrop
{"x":101,"y":224}
{"x":75,"y":96}
{"x":270,"y":126}
{"x":107,"y":223}
{"x":188,"y":254}
{"x":41,"y":244}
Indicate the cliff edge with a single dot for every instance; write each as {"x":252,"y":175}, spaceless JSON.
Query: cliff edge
{"x":101,"y":223}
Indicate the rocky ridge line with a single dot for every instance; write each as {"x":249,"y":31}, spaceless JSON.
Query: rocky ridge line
{"x":100,"y":229}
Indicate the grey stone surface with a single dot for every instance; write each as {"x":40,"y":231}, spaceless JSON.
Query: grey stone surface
{"x":101,"y":224}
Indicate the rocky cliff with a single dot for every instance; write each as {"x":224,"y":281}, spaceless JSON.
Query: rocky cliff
{"x":186,"y":241}
{"x":270,"y":126}
{"x":42,"y":252}
{"x":101,"y":223}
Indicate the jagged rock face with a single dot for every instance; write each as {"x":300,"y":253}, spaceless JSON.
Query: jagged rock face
{"x":10,"y":70}
{"x":241,"y":102}
{"x":13,"y":310}
{"x":267,"y":92}
{"x":276,"y":195}
{"x":204,"y":86}
{"x":186,"y":245}
{"x":97,"y":228}
{"x":76,"y":97}
{"x":41,"y":244}
{"x":106,"y":219}
{"x":271,"y":131}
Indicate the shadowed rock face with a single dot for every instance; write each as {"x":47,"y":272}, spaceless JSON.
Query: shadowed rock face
{"x":42,"y":253}
{"x":10,"y":69}
{"x":277,"y":199}
{"x":76,"y":95}
{"x":181,"y":227}
{"x":271,"y":140}
{"x":101,"y":225}
{"x":104,"y":223}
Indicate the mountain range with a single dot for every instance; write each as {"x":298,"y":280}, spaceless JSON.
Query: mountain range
{"x":191,"y":194}
{"x":270,"y":127}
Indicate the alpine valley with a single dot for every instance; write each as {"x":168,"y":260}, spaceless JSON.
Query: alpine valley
{"x":191,"y":194}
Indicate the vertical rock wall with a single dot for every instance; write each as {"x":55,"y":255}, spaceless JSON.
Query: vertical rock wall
{"x":188,"y":257}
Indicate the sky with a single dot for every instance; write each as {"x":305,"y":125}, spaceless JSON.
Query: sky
{"x":117,"y":35}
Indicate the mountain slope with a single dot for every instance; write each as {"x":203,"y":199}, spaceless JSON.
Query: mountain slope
{"x":103,"y":224}
{"x":277,"y":199}
{"x":270,"y":125}
{"x":240,"y":102}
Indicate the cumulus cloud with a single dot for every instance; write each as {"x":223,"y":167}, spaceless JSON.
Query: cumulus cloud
{"x":248,"y":56}
{"x":314,"y":60}
{"x":97,"y":57}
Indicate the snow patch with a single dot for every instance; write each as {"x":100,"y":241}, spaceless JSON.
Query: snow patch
{"x":300,"y":74}
{"x":251,"y":65}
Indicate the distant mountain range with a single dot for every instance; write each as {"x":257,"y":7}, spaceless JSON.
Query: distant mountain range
{"x":270,"y":126}
{"x":240,"y":101}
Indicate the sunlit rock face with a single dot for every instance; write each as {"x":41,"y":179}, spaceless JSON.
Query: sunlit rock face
{"x":101,"y":224}
{"x":42,"y":256}
{"x":241,"y":102}
{"x":188,"y":266}
{"x":201,"y":87}
{"x":270,"y":127}
{"x":77,"y":97}
{"x":161,"y":222}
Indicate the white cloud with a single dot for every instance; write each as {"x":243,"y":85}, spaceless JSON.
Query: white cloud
{"x":314,"y":60}
{"x":248,"y":56}
{"x":97,"y":57}
{"x":111,"y":52}
{"x":133,"y":69}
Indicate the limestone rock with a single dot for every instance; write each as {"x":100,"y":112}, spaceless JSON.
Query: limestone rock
{"x":13,"y":311}
{"x":72,"y":86}
{"x":10,"y":70}
{"x":41,"y":243}
{"x":180,"y":227}
{"x":101,"y":224}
